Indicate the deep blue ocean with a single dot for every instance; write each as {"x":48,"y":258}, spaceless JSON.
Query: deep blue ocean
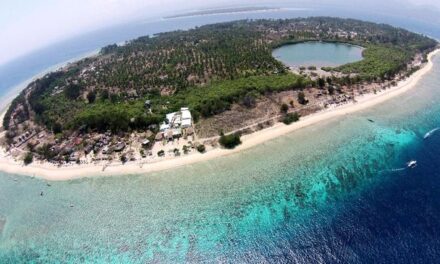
{"x":336,"y":192}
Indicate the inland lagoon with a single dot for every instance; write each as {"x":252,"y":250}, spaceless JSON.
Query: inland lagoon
{"x":319,"y":54}
{"x":339,"y":191}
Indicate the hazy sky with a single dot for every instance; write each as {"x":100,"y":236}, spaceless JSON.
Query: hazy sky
{"x":26,"y":25}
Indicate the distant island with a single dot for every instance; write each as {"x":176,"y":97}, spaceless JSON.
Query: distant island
{"x":189,"y":92}
{"x":208,"y":12}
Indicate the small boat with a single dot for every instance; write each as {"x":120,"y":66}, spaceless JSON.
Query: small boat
{"x":371,"y":120}
{"x":412,"y":164}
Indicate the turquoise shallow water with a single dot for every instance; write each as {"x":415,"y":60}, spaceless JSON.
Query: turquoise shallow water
{"x":327,"y":193}
{"x":318,"y":54}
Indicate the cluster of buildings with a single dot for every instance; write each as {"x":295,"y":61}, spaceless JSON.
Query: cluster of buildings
{"x":177,"y":124}
{"x":78,"y":146}
{"x":23,"y":138}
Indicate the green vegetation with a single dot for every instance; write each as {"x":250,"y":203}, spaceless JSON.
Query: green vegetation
{"x":218,"y":97}
{"x":212,"y":100}
{"x":302,"y":98}
{"x":72,"y":91}
{"x":230,"y":141}
{"x":185,"y":149}
{"x":46,"y":152}
{"x":22,"y":113}
{"x":201,"y":148}
{"x":208,"y":68}
{"x":379,"y":62}
{"x":249,"y":100}
{"x":91,"y":97}
{"x":331,"y":90}
{"x":116,"y":117}
{"x":116,"y":113}
{"x":321,"y":83}
{"x":28,"y":158}
{"x":284,"y":108}
{"x":291,"y":118}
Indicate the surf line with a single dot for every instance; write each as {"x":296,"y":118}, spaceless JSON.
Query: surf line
{"x":430,"y":133}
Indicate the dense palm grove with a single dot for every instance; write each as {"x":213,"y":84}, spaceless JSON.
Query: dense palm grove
{"x":207,"y":68}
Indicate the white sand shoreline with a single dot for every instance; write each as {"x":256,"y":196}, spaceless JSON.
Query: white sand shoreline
{"x":52,"y":173}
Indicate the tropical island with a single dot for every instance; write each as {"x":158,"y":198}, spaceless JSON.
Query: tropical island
{"x":190,"y":92}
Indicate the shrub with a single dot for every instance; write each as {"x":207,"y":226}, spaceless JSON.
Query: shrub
{"x":284,"y":108}
{"x":185,"y":149}
{"x":291,"y":118}
{"x":28,"y":159}
{"x":201,"y":148}
{"x":57,"y":128}
{"x":230,"y":141}
{"x":302,"y":98}
{"x":249,"y":100}
{"x":91,"y":97}
{"x":329,"y":80}
{"x":195,"y":116}
{"x":176,"y":152}
{"x":104,"y":95}
{"x":331,"y":89}
{"x":72,"y":91}
{"x":321,"y":83}
{"x":46,"y":152}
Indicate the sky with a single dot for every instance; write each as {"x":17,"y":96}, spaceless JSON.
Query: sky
{"x":27,"y":25}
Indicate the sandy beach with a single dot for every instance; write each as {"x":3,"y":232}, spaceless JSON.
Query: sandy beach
{"x":50,"y":172}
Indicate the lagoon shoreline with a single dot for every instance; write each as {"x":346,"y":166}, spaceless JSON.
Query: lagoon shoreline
{"x":50,"y":172}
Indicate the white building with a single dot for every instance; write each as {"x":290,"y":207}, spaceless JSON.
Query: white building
{"x":177,"y":121}
{"x":186,"y":117}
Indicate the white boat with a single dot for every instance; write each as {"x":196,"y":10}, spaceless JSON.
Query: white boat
{"x":412,"y":164}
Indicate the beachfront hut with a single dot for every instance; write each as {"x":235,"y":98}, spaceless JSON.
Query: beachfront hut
{"x":146,"y":143}
{"x":169,"y":135}
{"x":74,"y":157}
{"x":119,"y":147}
{"x":106,"y":150}
{"x":159,"y":136}
{"x":88,"y":149}
{"x":189,"y":131}
{"x":149,"y":134}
